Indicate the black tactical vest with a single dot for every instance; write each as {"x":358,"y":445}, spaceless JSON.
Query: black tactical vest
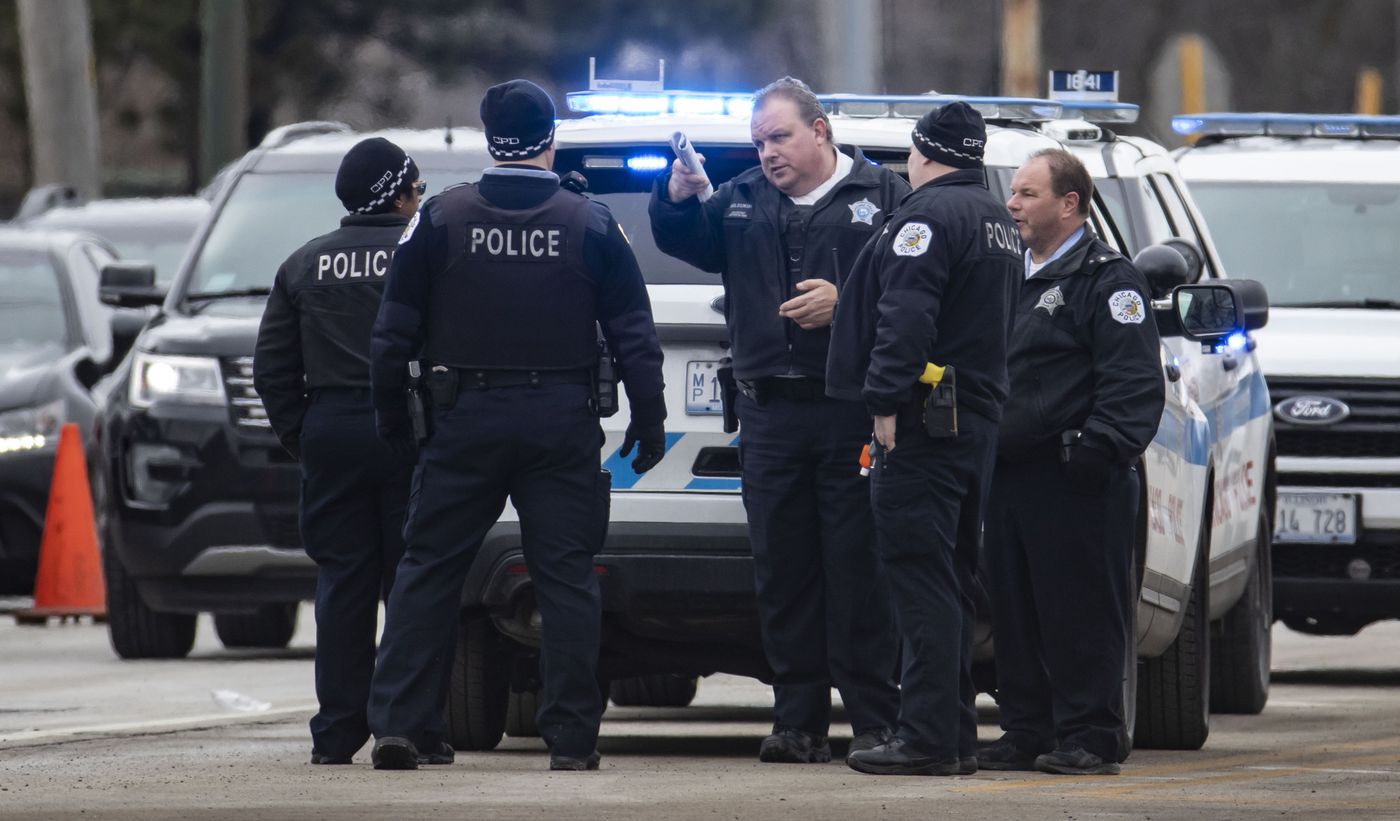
{"x":515,"y":294}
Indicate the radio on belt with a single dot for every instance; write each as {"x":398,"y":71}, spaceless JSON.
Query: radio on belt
{"x":685,"y":152}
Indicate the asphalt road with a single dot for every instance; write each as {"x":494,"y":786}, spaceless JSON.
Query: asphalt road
{"x":83,"y":734}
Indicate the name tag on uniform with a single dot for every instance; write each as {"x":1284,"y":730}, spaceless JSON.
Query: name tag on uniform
{"x":1001,"y":236}
{"x":739,"y":210}
{"x":516,"y":243}
{"x":352,"y":265}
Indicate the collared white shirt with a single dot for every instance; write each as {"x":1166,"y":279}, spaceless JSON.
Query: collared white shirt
{"x":1032,"y":267}
{"x":844,"y":165}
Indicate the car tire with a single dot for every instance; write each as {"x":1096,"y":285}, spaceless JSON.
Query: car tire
{"x":1174,"y":688}
{"x":269,"y":628}
{"x":137,"y":631}
{"x":1242,"y":649}
{"x":1128,"y":730}
{"x":478,"y":694}
{"x":1327,"y":624}
{"x":520,"y":714}
{"x":664,"y":690}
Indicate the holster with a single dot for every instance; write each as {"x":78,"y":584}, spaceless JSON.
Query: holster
{"x":442,"y":387}
{"x":604,"y":401}
{"x":417,"y":412}
{"x":941,"y":406}
{"x":728,"y":394}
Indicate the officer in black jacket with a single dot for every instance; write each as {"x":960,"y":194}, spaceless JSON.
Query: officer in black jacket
{"x":921,"y":336}
{"x":1087,"y":393}
{"x":502,"y":284}
{"x":311,"y":369}
{"x":780,"y":236}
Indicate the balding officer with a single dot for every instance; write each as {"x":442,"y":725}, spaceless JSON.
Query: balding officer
{"x":780,"y":236}
{"x":1087,"y":392}
{"x":920,"y":337}
{"x":503,"y":284}
{"x":311,"y":369}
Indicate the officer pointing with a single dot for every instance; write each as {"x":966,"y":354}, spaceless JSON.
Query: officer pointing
{"x":920,"y":337}
{"x":1087,"y":393}
{"x":780,"y":235}
{"x":311,"y":369}
{"x":503,"y":284}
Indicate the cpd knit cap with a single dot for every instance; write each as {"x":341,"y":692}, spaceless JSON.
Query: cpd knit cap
{"x":519,"y":120}
{"x":953,"y":135}
{"x":372,"y":174}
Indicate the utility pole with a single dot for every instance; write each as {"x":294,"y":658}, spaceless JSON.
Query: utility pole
{"x":60,"y":88}
{"x":1021,"y":72}
{"x":223,"y":88}
{"x":853,"y":60}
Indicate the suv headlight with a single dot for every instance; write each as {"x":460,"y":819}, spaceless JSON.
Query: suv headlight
{"x":193,"y":379}
{"x":30,"y":428}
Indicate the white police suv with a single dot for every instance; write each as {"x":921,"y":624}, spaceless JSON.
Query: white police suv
{"x":1218,"y":625}
{"x":1310,"y":204}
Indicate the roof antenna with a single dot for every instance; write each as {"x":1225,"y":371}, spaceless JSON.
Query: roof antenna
{"x":447,"y":132}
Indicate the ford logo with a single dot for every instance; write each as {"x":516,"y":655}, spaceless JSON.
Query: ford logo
{"x":1312,"y":410}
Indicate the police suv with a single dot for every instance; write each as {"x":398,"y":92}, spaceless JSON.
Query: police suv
{"x":1309,"y":204}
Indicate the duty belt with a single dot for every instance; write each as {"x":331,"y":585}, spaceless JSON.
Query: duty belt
{"x":483,"y":379}
{"x":801,"y":389}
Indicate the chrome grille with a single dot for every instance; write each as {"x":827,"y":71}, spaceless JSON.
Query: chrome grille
{"x":1371,"y":430}
{"x":245,"y":408}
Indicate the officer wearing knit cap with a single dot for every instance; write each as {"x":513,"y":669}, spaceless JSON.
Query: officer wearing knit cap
{"x":503,"y":286}
{"x":311,"y":370}
{"x":920,"y":336}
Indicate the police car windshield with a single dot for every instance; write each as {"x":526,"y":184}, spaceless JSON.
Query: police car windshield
{"x":31,"y":305}
{"x":266,"y":218}
{"x":1312,"y":244}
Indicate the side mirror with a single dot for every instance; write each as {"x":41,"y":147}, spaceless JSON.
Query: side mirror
{"x":1169,"y":264}
{"x":130,"y":285}
{"x":1213,"y":313}
{"x":126,"y":326}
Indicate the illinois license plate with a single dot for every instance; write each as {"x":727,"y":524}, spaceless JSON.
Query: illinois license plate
{"x":702,"y":389}
{"x":1319,"y":518}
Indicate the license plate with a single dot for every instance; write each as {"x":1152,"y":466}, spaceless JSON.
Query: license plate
{"x":1319,"y":518}
{"x":702,"y":389}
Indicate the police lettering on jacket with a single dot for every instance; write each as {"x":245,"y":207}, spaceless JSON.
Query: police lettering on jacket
{"x":352,"y":265}
{"x":516,"y":242}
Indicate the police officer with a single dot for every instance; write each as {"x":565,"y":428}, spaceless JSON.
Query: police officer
{"x":503,"y":285}
{"x":921,"y":337}
{"x":780,"y":235}
{"x":1086,"y":399}
{"x":311,"y":369}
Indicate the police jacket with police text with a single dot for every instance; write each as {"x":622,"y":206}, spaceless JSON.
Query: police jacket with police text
{"x":316,"y":326}
{"x":937,"y":285}
{"x":739,"y":234}
{"x":1085,"y":356}
{"x":514,"y":273}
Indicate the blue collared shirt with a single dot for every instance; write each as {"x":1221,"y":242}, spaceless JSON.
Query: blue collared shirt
{"x":1059,"y":252}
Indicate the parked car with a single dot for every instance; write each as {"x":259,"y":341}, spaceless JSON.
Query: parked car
{"x":55,"y":346}
{"x":154,"y":230}
{"x":1309,"y":204}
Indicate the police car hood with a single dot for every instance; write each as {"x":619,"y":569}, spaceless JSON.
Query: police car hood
{"x":220,"y":327}
{"x":1330,"y":342}
{"x":24,"y":374}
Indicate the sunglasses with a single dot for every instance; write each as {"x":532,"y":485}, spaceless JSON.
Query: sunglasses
{"x":421,"y":187}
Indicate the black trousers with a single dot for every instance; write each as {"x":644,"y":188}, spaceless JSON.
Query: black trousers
{"x":353,"y":494}
{"x":1059,"y":556}
{"x":928,"y":496}
{"x":823,"y":608}
{"x":537,"y":447}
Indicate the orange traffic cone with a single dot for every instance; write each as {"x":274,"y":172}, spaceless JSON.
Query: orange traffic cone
{"x":69,"y":582}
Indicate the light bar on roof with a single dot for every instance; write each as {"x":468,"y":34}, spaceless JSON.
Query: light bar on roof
{"x":703,"y":103}
{"x":1100,"y":112}
{"x":1227,"y":124}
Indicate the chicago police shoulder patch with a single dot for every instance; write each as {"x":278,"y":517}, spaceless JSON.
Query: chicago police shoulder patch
{"x":408,"y":230}
{"x":913,"y":239}
{"x":1126,"y":307}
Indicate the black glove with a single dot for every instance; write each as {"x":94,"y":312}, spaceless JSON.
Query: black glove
{"x":1089,"y":466}
{"x":650,"y":441}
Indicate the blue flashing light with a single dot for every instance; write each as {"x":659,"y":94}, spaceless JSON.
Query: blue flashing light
{"x":647,"y":163}
{"x":1100,"y":112}
{"x":1238,"y":341}
{"x":696,"y":103}
{"x":1228,"y":124}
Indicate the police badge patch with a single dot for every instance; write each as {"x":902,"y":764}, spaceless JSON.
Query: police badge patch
{"x":1126,"y":307}
{"x":408,"y":231}
{"x":1050,"y":300}
{"x":864,"y":211}
{"x":912,"y":240}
